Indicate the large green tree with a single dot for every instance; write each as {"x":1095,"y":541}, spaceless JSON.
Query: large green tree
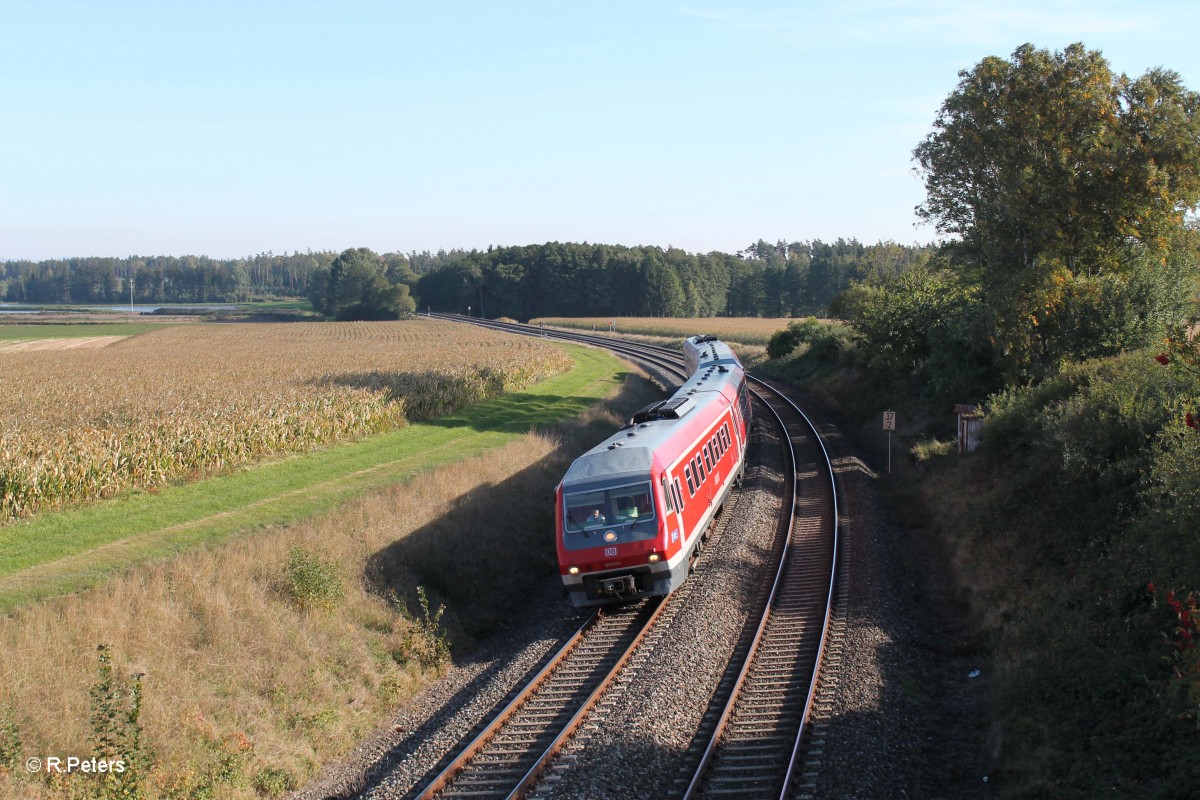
{"x":1068,"y":188}
{"x":359,"y":288}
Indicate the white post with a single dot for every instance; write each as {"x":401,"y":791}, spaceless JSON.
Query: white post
{"x":889,"y":425}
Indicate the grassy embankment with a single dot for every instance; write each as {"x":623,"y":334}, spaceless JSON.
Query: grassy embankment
{"x":1085,"y":490}
{"x":272,"y":653}
{"x":32,"y":330}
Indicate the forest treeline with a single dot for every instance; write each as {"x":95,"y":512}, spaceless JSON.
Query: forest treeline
{"x":161,"y":279}
{"x":555,"y":279}
{"x":565,"y":279}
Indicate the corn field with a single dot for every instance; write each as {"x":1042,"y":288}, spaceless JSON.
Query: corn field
{"x":196,"y":399}
{"x":743,"y":330}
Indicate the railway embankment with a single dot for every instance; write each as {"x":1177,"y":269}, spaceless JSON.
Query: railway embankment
{"x":1051,"y":571}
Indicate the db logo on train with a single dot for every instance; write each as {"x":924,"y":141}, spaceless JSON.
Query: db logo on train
{"x":610,"y":551}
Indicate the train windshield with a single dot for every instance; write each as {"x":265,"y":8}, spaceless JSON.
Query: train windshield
{"x":608,"y":516}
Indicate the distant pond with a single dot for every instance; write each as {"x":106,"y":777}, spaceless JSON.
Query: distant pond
{"x":17,"y":308}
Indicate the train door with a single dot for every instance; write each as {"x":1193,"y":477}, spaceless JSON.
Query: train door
{"x":735,"y":417}
{"x":712,"y":470}
{"x":673,"y":518}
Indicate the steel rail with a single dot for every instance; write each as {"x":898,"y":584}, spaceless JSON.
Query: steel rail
{"x":794,"y":761}
{"x":791,"y":591}
{"x":654,"y":354}
{"x":473,"y":771}
{"x":554,"y":747}
{"x":446,"y":775}
{"x":723,"y":720}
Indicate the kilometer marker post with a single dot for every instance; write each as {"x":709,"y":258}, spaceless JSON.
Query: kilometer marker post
{"x":889,"y":425}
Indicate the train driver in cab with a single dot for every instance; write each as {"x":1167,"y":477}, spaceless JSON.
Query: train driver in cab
{"x":596,"y":518}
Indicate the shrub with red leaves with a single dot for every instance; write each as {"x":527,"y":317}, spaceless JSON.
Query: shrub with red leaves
{"x":1186,"y":656}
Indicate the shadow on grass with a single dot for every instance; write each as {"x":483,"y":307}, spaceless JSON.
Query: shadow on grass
{"x":432,"y":398}
{"x":494,"y":547}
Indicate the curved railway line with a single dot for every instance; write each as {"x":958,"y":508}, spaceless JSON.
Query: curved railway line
{"x":751,"y":740}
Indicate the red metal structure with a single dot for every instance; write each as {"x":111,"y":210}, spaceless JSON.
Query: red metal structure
{"x":632,"y":511}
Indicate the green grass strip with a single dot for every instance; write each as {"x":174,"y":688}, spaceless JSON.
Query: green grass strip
{"x":71,"y":330}
{"x":63,"y":552}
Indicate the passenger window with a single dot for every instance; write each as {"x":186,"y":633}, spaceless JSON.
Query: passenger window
{"x":708,"y":464}
{"x":703,"y":473}
{"x":670,"y":501}
{"x":687,"y":473}
{"x":678,"y":494}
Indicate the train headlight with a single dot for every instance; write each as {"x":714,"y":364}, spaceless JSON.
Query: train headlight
{"x":653,"y":557}
{"x":610,"y":536}
{"x":573,"y":570}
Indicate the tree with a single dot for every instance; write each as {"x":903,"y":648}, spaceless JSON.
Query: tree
{"x":359,"y":289}
{"x":662,"y":293}
{"x":923,"y":328}
{"x":1055,"y":173}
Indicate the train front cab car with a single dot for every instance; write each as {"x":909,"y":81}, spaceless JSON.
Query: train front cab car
{"x":632,"y":511}
{"x":610,"y":541}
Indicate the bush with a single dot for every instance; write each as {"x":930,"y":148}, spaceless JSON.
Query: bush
{"x":1086,"y":489}
{"x":785,"y":341}
{"x":425,"y":642}
{"x":10,"y":742}
{"x":116,"y":709}
{"x":1081,"y":445}
{"x":273,"y":782}
{"x":924,"y":329}
{"x":310,"y":581}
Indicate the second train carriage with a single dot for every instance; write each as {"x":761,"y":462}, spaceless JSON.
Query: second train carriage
{"x":631,"y":512}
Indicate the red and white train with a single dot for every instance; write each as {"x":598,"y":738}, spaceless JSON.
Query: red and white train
{"x":632,"y":511}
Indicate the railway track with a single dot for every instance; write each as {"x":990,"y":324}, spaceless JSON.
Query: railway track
{"x":511,"y":751}
{"x":751,"y":741}
{"x":754,"y":747}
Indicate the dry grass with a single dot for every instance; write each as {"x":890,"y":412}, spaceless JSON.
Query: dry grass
{"x":743,"y":330}
{"x":238,"y":673}
{"x":189,"y":400}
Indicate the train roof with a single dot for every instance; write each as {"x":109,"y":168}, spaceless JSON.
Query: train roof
{"x":707,"y":350}
{"x":629,"y":453}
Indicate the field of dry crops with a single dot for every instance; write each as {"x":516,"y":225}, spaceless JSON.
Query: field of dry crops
{"x":744,"y":330}
{"x":181,"y":402}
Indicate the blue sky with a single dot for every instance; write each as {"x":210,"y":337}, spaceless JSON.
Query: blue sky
{"x":228,"y":129}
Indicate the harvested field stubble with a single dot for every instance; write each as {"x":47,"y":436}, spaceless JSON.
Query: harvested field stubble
{"x":190,"y":400}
